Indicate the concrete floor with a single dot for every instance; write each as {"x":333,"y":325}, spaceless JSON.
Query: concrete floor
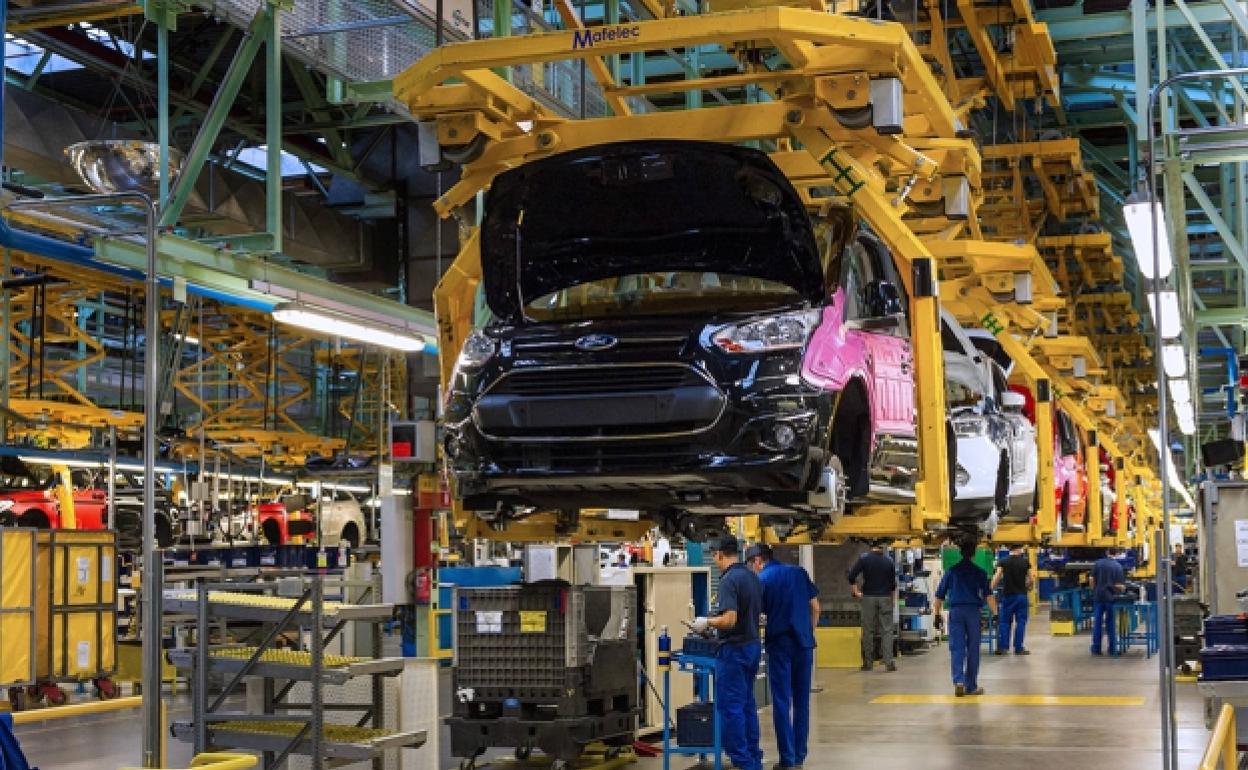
{"x":851,"y":732}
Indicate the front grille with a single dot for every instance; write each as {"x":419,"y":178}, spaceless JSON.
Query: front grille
{"x":591,"y":380}
{"x":581,"y":458}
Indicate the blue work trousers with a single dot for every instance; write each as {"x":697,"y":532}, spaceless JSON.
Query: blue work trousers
{"x":965,"y":636}
{"x":789,"y":669}
{"x":1103,"y":622}
{"x":1013,"y":612}
{"x":736,"y":668}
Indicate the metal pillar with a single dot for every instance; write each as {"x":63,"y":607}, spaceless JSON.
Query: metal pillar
{"x":273,"y":126}
{"x":162,"y":104}
{"x":153,"y":735}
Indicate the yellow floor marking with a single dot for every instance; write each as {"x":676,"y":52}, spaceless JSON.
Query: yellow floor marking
{"x":1011,"y":700}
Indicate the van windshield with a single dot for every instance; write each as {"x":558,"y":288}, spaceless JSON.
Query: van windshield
{"x":661,"y":293}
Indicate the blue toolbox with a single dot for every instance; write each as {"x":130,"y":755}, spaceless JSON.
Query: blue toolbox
{"x":1225,"y":629}
{"x":1224,"y":662}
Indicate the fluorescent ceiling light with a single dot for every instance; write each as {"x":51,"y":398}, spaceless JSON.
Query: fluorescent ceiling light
{"x":1174,"y":359}
{"x":1187,"y":426}
{"x":1169,"y":325}
{"x":1184,"y":410}
{"x":328,"y":487}
{"x":1180,"y":391}
{"x":333,"y":324}
{"x":1139,"y":217}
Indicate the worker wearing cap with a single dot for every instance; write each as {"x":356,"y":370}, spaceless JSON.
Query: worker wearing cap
{"x":739,"y":604}
{"x":965,"y":588}
{"x":791,"y":604}
{"x":878,"y":596}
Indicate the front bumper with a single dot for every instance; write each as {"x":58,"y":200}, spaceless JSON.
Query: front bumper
{"x":979,"y":461}
{"x":717,"y":438}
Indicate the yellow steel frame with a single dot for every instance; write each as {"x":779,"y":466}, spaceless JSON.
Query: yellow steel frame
{"x":831,"y":60}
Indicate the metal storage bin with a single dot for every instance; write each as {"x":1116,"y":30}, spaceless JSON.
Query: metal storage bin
{"x":76,"y":604}
{"x":17,"y":606}
{"x":545,"y":666}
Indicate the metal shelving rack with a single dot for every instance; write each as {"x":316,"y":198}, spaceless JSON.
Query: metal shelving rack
{"x":211,"y":725}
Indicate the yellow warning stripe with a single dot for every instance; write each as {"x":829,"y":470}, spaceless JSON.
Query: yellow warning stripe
{"x":1011,"y":700}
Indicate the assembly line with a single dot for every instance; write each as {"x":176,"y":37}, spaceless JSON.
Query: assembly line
{"x":751,"y":383}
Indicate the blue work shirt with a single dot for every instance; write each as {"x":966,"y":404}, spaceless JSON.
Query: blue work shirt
{"x":964,"y":585}
{"x":787,"y":591}
{"x":1107,"y":573}
{"x":879,"y":574}
{"x":740,"y":590}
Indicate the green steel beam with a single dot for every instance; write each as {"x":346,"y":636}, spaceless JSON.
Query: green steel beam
{"x":44,"y":58}
{"x":273,"y":123}
{"x":205,"y":69}
{"x":234,"y":272}
{"x":1210,"y":48}
{"x":1223,"y":316}
{"x":1224,"y":229}
{"x":318,"y":107}
{"x":1065,"y":25}
{"x":215,"y":118}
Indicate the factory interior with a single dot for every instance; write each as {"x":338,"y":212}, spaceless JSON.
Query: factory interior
{"x":605,"y":384}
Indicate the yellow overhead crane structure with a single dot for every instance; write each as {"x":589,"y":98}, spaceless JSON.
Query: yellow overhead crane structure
{"x":829,"y":64}
{"x":921,"y":189}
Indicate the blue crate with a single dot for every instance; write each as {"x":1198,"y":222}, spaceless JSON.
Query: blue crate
{"x":1225,"y":630}
{"x":268,"y":556}
{"x":244,"y":556}
{"x":695,"y":725}
{"x":700,"y":646}
{"x":1224,"y":662}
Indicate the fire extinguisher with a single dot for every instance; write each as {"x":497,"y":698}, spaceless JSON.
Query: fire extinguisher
{"x":423,"y":585}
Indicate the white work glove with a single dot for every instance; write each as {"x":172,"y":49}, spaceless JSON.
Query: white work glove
{"x":699,"y":625}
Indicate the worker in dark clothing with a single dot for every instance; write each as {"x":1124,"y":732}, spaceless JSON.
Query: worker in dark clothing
{"x":791,"y":604}
{"x":965,"y":588}
{"x":1014,"y":578}
{"x":1108,"y":580}
{"x":1181,"y":568}
{"x":878,"y":593}
{"x":739,"y":605}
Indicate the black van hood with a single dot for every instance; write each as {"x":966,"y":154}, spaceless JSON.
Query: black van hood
{"x":637,"y":207}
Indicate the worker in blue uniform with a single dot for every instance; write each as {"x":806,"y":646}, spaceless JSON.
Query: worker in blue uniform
{"x":1108,"y":580}
{"x":739,"y":604}
{"x":965,"y":588}
{"x":791,"y":604}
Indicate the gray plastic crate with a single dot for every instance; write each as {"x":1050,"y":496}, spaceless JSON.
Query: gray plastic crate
{"x":538,"y":642}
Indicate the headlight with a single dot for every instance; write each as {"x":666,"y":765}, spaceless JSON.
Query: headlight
{"x":788,"y":330}
{"x":970,"y":426}
{"x":477,"y":350}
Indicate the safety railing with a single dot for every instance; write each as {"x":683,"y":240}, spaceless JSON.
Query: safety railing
{"x":1222,"y":751}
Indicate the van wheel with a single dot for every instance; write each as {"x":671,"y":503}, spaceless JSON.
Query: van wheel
{"x":164,"y":531}
{"x":851,"y":443}
{"x":271,"y":531}
{"x":350,"y":536}
{"x":1002,"y":497}
{"x":34,"y":518}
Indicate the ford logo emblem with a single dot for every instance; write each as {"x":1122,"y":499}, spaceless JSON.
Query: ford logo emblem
{"x":596,"y":342}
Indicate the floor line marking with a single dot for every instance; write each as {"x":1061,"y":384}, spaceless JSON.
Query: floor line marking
{"x":1011,"y":700}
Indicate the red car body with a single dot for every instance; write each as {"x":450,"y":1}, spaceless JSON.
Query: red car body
{"x":278,"y":525}
{"x":38,"y":506}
